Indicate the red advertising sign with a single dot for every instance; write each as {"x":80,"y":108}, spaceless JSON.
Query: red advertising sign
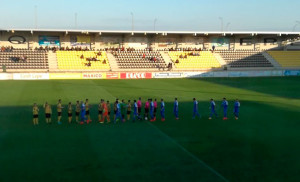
{"x":135,"y":75}
{"x":112,"y":75}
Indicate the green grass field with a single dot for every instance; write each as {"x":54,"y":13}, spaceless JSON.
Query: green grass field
{"x":263,"y":145}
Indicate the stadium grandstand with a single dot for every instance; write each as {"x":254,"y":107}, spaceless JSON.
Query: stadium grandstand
{"x":90,"y":51}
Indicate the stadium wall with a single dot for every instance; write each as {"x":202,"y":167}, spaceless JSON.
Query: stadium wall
{"x":145,"y":75}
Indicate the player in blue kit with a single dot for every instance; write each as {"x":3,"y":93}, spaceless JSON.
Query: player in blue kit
{"x":135,"y":112}
{"x":152,"y":110}
{"x":212,"y":109}
{"x":195,"y":109}
{"x":83,"y":118}
{"x":118,"y":112}
{"x":225,"y":108}
{"x":162,"y":110}
{"x":236,"y":109}
{"x":175,"y":110}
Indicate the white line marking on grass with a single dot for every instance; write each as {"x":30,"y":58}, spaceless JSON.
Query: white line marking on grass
{"x":189,"y":153}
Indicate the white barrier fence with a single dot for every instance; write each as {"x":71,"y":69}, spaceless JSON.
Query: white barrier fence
{"x":47,"y":76}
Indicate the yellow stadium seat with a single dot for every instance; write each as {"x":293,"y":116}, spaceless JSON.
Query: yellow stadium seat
{"x":206,"y":60}
{"x":286,"y":58}
{"x":71,"y":60}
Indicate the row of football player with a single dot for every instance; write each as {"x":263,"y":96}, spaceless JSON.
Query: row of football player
{"x":120,"y":108}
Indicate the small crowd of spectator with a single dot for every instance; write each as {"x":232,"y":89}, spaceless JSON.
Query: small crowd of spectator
{"x":22,"y":58}
{"x":126,"y":49}
{"x":94,"y":58}
{"x":7,"y":49}
{"x":150,"y":58}
{"x":182,"y":49}
{"x":170,"y":66}
{"x":54,"y":49}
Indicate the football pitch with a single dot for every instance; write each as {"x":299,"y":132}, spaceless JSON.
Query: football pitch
{"x":263,"y":145}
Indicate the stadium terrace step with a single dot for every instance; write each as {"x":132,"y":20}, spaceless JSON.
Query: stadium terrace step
{"x":244,"y":59}
{"x":24,"y":59}
{"x":220,"y":59}
{"x":137,"y":60}
{"x":52,"y":61}
{"x":113,"y":62}
{"x":271,"y":59}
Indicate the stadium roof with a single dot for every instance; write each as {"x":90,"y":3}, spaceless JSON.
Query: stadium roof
{"x":156,"y":32}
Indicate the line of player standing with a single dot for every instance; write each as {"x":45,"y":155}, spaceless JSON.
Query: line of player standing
{"x":82,"y":110}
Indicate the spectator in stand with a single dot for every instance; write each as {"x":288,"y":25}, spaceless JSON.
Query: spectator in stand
{"x":2,"y":49}
{"x":23,"y":58}
{"x":177,"y":61}
{"x":104,"y":61}
{"x":89,"y":64}
{"x":213,"y":48}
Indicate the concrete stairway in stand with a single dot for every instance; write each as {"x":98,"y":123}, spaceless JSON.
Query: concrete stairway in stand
{"x":52,"y":60}
{"x":167,"y":59}
{"x":220,"y":59}
{"x":112,"y":62}
{"x":271,"y":60}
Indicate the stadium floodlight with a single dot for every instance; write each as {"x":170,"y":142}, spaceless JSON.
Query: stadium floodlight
{"x":132,"y":21}
{"x":227,"y":26}
{"x":154,"y":25}
{"x":35,"y":17}
{"x":296,"y":24}
{"x":222,"y":22}
{"x":75,"y":20}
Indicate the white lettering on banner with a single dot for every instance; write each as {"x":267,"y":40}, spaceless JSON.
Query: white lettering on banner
{"x":167,"y":75}
{"x":92,"y":75}
{"x":135,"y":75}
{"x":30,"y":76}
{"x":175,"y":74}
